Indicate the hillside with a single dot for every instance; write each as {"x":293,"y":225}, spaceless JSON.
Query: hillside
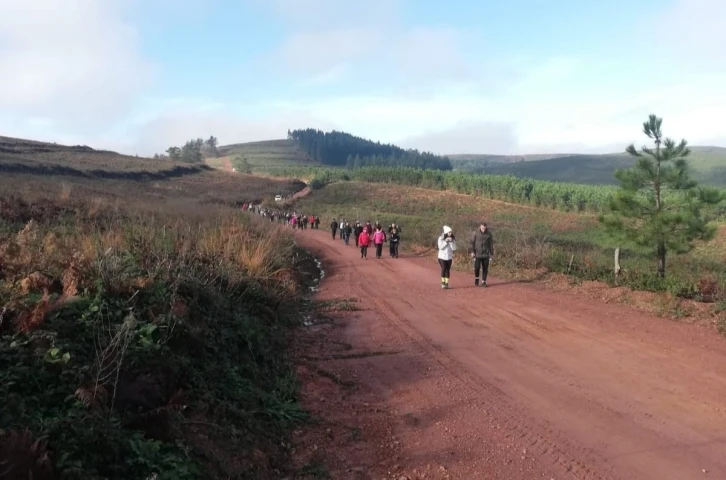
{"x":708,"y":163}
{"x":34,"y":157}
{"x":270,"y":153}
{"x":461,"y":159}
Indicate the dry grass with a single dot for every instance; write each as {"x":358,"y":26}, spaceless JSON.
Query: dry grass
{"x":129,"y":295}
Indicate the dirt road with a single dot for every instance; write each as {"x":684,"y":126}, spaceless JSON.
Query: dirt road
{"x":515,"y":382}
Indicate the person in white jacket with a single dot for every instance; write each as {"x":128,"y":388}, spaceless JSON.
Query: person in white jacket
{"x":447,"y":246}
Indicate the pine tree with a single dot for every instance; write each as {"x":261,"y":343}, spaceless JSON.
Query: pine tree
{"x":658,"y":205}
{"x":174,"y":153}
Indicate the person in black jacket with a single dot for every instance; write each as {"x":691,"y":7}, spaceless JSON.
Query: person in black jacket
{"x":482,"y":251}
{"x":333,"y":227}
{"x":357,"y":230}
{"x":347,"y":232}
{"x":393,"y":241}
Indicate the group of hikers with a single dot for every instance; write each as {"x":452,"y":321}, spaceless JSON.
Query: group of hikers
{"x":481,"y":246}
{"x":294,"y":219}
{"x":366,"y":235}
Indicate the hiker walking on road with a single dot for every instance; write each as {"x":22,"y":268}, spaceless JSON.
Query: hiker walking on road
{"x":364,"y":239}
{"x":342,"y":225}
{"x":357,"y":230}
{"x":379,"y":238}
{"x":447,"y":245}
{"x":482,"y":251}
{"x":393,"y":241}
{"x":317,"y":222}
{"x":347,"y":232}
{"x":333,"y":227}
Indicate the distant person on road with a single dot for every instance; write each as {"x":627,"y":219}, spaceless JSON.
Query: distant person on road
{"x":342,"y":225}
{"x":393,"y":242}
{"x":447,"y":246}
{"x":379,"y":238}
{"x":333,"y":227}
{"x":482,"y":251}
{"x":317,"y":222}
{"x":293,"y":221}
{"x":364,"y":239}
{"x":347,"y":232}
{"x":357,"y":230}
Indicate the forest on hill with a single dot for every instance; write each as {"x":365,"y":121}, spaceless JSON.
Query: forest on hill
{"x":708,"y":165}
{"x":342,"y":149}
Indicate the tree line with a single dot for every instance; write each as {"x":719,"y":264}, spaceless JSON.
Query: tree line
{"x":193,"y":151}
{"x":342,"y":149}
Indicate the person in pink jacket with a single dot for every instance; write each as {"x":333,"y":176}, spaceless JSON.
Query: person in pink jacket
{"x":379,"y":238}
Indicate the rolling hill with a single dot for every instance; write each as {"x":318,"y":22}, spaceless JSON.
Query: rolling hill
{"x":708,"y":164}
{"x":270,"y":153}
{"x":29,"y":156}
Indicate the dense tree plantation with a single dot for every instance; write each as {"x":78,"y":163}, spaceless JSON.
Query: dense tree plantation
{"x":555,"y":195}
{"x":569,"y":197}
{"x":343,"y":149}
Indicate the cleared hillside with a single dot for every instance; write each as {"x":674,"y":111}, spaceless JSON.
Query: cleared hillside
{"x":270,"y":153}
{"x":33,"y":157}
{"x":708,"y":163}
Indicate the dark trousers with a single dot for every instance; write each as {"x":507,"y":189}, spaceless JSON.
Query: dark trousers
{"x":379,"y":250}
{"x":483,"y":265}
{"x":363,"y":251}
{"x":445,"y":267}
{"x":394,"y":249}
{"x":356,"y":240}
{"x":333,"y":234}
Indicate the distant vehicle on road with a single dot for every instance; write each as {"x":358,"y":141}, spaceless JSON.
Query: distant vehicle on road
{"x":278,"y":198}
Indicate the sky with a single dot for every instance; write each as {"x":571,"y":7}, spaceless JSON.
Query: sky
{"x":462,"y":76}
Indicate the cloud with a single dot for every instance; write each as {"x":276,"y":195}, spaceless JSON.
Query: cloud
{"x":693,"y":31}
{"x":363,"y":42}
{"x":75,"y":63}
{"x":468,"y":137}
{"x":316,"y":15}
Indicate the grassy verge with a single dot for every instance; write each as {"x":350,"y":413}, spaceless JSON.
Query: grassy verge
{"x":144,"y":345}
{"x":528,"y":239}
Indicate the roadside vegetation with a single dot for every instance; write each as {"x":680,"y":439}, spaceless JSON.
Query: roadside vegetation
{"x":144,"y":329}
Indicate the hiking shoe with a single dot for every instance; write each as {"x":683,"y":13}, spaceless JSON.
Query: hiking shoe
{"x":484,"y":284}
{"x":476,"y":282}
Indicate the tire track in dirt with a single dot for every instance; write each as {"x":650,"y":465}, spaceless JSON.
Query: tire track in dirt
{"x":516,"y":382}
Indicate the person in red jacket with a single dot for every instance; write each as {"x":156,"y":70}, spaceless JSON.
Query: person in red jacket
{"x":364,"y":239}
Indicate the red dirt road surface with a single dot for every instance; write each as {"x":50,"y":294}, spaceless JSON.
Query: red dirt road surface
{"x":514,"y":381}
